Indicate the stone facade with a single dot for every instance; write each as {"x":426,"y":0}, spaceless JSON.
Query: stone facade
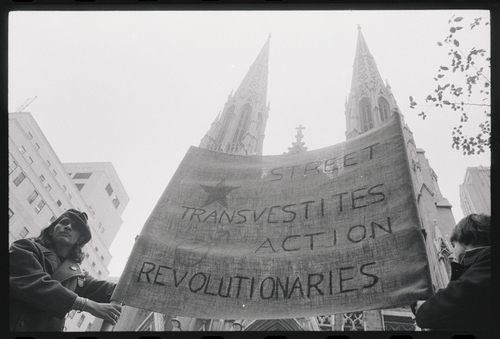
{"x":370,"y":103}
{"x":475,"y":192}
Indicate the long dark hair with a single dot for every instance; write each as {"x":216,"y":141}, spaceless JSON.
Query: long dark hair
{"x":45,"y":239}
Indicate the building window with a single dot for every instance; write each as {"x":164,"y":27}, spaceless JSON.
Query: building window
{"x":48,"y":187}
{"x":109,"y":189}
{"x":39,"y":207}
{"x":366,"y":114}
{"x":87,"y":255}
{"x":30,"y":136}
{"x":48,"y":163}
{"x":54,"y":172}
{"x":96,"y":249}
{"x":353,"y":321}
{"x":70,"y":196}
{"x":88,"y":327}
{"x":80,"y":321}
{"x":59,"y":203}
{"x":22,"y":149}
{"x":80,"y":186}
{"x":383,"y":107}
{"x":93,"y":264}
{"x":32,"y":196}
{"x":325,"y":322}
{"x":10,"y":213}
{"x":71,"y":314}
{"x":42,"y":178}
{"x":23,"y":233}
{"x":64,"y":188}
{"x":37,"y":146}
{"x":30,"y":160}
{"x":12,"y":164}
{"x":225,"y":123}
{"x":52,"y":219}
{"x":260,"y":122}
{"x":243,"y":123}
{"x":116,"y":202}
{"x":82,"y":175}
{"x":19,"y":179}
{"x":102,"y":257}
{"x":99,"y":273}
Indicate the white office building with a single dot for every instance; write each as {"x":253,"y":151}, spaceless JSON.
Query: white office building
{"x":41,"y":188}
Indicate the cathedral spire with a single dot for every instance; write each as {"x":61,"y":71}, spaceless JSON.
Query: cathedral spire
{"x":241,"y":126}
{"x":370,"y":101}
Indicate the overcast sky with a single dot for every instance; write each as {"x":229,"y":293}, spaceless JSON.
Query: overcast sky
{"x":139,"y":88}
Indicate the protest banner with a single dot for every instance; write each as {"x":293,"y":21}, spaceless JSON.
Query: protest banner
{"x":329,"y":231}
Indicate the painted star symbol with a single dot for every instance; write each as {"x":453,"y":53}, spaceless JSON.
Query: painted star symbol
{"x":217,"y":193}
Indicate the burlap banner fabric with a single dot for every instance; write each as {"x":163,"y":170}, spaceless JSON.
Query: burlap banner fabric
{"x":329,"y":231}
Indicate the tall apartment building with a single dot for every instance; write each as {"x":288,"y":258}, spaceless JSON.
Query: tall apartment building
{"x":41,"y":188}
{"x":475,"y":192}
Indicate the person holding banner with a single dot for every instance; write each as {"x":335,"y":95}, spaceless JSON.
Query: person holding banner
{"x":465,"y":304}
{"x":46,"y":281}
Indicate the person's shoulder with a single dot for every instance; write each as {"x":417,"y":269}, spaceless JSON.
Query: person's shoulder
{"x":30,"y":244}
{"x":483,"y":252}
{"x":24,"y":243}
{"x":480,"y":255}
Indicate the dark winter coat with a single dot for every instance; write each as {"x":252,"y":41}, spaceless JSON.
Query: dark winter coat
{"x":465,"y":304}
{"x":42,"y":290}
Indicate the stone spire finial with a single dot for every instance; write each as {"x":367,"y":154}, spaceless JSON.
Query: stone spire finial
{"x":299,"y":135}
{"x":298,"y":145}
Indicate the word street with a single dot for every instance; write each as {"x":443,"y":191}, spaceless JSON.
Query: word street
{"x":331,"y":165}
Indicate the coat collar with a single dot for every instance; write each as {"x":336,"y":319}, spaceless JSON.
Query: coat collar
{"x":471,"y":255}
{"x":468,"y":259}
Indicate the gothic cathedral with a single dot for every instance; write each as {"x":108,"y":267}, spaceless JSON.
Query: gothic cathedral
{"x":240,"y":129}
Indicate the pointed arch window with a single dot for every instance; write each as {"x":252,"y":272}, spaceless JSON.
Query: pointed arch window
{"x":365,"y":109}
{"x":260,"y":122}
{"x":384,"y":109}
{"x":243,"y":123}
{"x":225,"y":123}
